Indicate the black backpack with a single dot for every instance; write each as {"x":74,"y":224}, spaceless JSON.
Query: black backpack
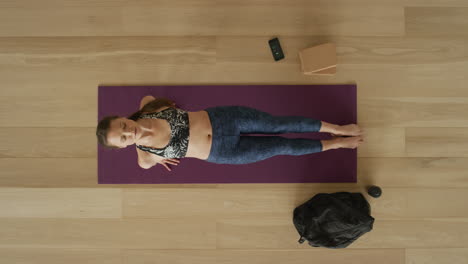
{"x":333,"y":220}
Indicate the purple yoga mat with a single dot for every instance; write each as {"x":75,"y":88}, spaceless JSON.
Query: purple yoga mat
{"x":331,"y":103}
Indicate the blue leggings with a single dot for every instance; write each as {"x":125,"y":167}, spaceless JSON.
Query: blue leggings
{"x":230,"y":147}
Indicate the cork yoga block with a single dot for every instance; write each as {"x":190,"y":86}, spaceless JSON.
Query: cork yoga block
{"x":319,"y":60}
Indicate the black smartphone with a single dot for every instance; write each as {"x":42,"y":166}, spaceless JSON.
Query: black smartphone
{"x":276,"y":49}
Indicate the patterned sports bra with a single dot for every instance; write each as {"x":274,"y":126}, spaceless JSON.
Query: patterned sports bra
{"x":178,"y":144}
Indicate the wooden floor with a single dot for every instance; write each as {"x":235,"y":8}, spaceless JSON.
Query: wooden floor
{"x":409,"y":59}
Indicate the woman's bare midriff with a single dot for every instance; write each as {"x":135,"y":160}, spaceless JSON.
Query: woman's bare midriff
{"x":200,"y":135}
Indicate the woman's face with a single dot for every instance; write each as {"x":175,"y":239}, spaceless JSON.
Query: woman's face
{"x":123,"y":132}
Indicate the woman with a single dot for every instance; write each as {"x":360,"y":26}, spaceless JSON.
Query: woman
{"x":163,"y":133}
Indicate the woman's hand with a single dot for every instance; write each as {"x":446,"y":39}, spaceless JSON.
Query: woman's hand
{"x":166,"y":162}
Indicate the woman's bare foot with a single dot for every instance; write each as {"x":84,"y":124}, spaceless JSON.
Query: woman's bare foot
{"x":348,"y":130}
{"x":350,"y":142}
{"x":342,"y":142}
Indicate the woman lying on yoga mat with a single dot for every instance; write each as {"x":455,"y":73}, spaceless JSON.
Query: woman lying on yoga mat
{"x":163,"y":133}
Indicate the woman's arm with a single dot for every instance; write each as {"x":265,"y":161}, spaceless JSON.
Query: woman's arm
{"x":147,"y":160}
{"x":146,"y":100}
{"x":151,"y":104}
